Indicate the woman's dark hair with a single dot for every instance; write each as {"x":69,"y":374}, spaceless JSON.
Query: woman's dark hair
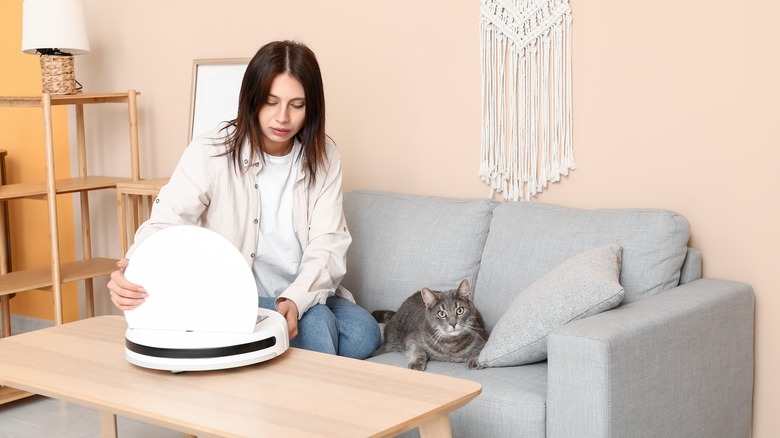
{"x":271,"y":60}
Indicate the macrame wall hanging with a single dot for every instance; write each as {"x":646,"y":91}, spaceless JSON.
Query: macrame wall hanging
{"x":526,"y":95}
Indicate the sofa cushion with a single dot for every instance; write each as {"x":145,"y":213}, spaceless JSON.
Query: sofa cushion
{"x":513,"y":402}
{"x":402,"y":243}
{"x":582,"y":286}
{"x":527,"y":240}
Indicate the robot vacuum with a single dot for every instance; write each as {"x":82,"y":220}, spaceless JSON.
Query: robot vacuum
{"x":201,"y":312}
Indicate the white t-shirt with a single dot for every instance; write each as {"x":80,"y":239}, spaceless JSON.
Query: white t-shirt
{"x":278,"y":256}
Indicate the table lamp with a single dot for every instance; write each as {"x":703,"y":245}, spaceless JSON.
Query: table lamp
{"x":56,"y":30}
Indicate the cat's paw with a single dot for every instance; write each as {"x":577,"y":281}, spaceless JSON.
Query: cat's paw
{"x":475,"y":365}
{"x":417,"y":365}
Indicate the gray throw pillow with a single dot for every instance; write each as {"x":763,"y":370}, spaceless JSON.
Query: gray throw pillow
{"x":582,"y":286}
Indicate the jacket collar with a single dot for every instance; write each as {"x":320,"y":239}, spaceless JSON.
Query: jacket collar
{"x":250,"y":160}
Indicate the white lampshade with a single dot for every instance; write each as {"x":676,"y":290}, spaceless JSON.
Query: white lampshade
{"x":54,"y":24}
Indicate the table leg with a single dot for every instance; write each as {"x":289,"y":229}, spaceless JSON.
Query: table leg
{"x":107,"y":425}
{"x":438,"y":427}
{"x":5,"y":309}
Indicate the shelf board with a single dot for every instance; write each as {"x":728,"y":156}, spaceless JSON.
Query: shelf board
{"x":142,"y":186}
{"x":40,"y":278}
{"x":65,"y":99}
{"x":68,"y":185}
{"x":8,"y":394}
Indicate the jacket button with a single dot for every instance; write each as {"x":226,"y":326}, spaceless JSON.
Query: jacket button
{"x":157,"y":201}
{"x":246,"y":161}
{"x":252,"y":255}
{"x":255,"y":220}
{"x":255,"y":185}
{"x":257,"y":164}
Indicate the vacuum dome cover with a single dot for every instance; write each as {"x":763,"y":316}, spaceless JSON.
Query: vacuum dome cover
{"x":196,"y":281}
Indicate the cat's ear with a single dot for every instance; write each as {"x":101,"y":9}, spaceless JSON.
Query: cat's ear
{"x":464,"y":290}
{"x":429,"y":297}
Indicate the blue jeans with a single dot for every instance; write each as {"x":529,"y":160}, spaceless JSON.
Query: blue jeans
{"x":337,"y":327}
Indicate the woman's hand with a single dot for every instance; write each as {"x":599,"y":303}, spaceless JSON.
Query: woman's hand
{"x":289,"y":311}
{"x":124,"y":294}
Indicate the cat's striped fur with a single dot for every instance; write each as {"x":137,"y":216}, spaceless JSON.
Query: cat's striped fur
{"x":435,"y":325}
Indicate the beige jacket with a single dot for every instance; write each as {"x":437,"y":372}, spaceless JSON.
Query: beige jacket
{"x":208,"y":191}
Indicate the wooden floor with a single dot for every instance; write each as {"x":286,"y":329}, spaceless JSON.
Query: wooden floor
{"x":43,"y":417}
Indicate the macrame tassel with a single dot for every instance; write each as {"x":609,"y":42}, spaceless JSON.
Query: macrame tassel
{"x":526,"y":84}
{"x":568,"y":156}
{"x":492,"y":168}
{"x":556,"y":106}
{"x":545,"y":169}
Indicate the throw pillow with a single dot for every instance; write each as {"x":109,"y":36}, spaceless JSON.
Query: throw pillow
{"x":582,"y":286}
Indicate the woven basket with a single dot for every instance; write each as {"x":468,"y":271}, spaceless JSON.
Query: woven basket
{"x":58,"y":75}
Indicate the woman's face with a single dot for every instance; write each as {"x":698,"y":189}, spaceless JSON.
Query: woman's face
{"x":283,"y":114}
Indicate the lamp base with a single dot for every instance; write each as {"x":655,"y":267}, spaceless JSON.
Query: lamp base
{"x":58,"y":75}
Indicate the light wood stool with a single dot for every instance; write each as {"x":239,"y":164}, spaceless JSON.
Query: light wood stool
{"x":131,"y":194}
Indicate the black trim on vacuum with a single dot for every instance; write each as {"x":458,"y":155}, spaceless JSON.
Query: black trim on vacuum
{"x":200,"y":353}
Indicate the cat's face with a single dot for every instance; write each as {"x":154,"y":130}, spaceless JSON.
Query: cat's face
{"x":449,"y":312}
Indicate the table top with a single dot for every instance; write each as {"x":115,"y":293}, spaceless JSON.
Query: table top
{"x":300,"y":393}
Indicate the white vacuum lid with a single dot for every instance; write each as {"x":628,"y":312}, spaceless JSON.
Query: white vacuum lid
{"x":196,"y":281}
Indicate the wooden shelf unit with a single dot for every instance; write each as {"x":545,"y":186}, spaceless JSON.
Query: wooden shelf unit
{"x":38,"y":190}
{"x":88,"y":267}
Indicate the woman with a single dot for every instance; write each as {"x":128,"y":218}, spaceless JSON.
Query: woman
{"x":270,"y":182}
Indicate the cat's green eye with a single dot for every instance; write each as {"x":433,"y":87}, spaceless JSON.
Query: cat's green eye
{"x":441,"y":314}
{"x":460,"y":310}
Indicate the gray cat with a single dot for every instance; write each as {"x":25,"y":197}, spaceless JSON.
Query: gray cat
{"x":443,"y":326}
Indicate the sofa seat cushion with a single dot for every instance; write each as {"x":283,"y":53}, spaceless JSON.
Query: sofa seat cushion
{"x":513,"y":401}
{"x":528,"y":240}
{"x":402,"y":243}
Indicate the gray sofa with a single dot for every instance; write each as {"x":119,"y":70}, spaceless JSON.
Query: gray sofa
{"x":674,"y":359}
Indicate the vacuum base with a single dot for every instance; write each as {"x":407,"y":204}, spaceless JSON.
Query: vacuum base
{"x":179,"y":351}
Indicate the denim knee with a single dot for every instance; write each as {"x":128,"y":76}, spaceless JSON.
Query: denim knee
{"x":359,"y":334}
{"x":317,"y":331}
{"x":360,"y":340}
{"x":338,"y":327}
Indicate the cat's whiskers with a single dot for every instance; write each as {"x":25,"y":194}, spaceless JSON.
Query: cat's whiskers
{"x":439,"y":333}
{"x":470,"y":328}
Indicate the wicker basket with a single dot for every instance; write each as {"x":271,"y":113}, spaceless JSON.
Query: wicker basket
{"x":58,"y":75}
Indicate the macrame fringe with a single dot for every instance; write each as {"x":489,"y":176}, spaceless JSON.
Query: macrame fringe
{"x":530,"y":94}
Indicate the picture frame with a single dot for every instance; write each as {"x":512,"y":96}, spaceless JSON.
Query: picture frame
{"x":216,"y":83}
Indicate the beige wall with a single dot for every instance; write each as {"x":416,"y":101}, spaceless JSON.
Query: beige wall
{"x":675,"y":107}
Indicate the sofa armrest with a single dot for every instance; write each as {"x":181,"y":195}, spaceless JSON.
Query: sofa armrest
{"x":691,"y":268}
{"x":679,"y":364}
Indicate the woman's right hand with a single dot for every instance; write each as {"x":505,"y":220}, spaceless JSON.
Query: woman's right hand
{"x":124,"y":294}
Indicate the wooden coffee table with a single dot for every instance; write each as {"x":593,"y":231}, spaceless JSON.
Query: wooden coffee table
{"x":300,"y":394}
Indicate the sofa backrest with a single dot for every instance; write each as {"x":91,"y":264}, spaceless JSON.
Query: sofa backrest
{"x":527,"y":240}
{"x":402,"y":243}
